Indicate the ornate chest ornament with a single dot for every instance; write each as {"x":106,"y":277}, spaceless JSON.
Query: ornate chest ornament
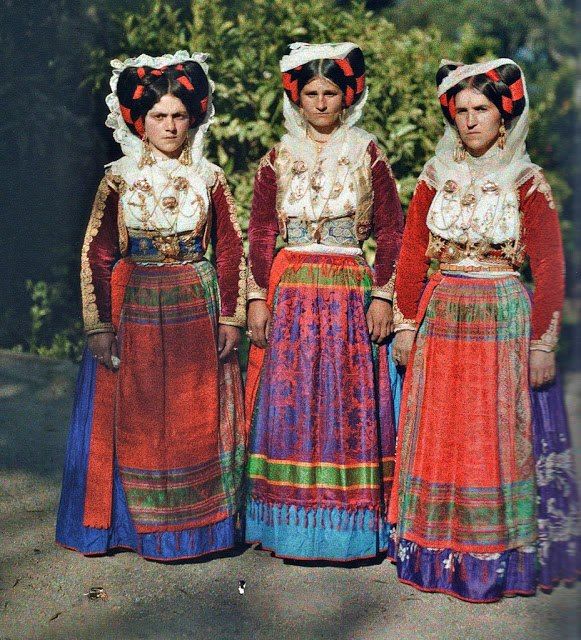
{"x":168,"y":246}
{"x":490,"y":187}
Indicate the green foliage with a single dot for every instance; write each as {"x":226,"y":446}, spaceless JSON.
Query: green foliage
{"x":541,"y":35}
{"x":403,"y":43}
{"x":245,"y":48}
{"x":52,"y":332}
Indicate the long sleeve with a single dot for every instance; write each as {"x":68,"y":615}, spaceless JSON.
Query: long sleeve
{"x":387,"y":223}
{"x":229,"y":251}
{"x":412,"y":266}
{"x":263,"y":228}
{"x":99,"y":254}
{"x":543,"y":244}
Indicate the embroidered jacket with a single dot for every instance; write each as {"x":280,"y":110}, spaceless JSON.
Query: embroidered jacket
{"x":539,"y":238}
{"x":361,"y":200}
{"x":116,"y":231}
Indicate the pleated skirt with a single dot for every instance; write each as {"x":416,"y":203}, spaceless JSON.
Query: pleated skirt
{"x":155,"y":452}
{"x":322,"y":429}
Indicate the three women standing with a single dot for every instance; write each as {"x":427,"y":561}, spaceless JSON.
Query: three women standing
{"x":322,"y":438}
{"x":464,"y":498}
{"x":156,"y":448}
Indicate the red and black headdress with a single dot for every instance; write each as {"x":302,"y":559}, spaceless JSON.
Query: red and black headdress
{"x":342,"y":63}
{"x":141,"y":87}
{"x":501,"y":84}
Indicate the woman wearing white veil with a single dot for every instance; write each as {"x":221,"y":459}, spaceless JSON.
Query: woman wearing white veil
{"x":464,"y":502}
{"x":155,"y":451}
{"x":318,"y":390}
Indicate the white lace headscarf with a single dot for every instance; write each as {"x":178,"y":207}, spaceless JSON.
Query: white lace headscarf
{"x":509,"y":168}
{"x":303,"y":53}
{"x":130,"y":143}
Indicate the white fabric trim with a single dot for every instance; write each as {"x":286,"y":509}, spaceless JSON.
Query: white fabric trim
{"x":303,"y":52}
{"x":325,"y":249}
{"x":468,"y":70}
{"x":508,"y":168}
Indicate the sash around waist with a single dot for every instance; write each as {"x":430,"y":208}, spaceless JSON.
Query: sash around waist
{"x":165,"y":249}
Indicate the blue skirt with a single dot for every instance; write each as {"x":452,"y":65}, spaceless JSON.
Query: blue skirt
{"x":70,"y":531}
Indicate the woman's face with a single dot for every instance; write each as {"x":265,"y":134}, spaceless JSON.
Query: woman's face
{"x":322,"y":104}
{"x":477,"y":120}
{"x":166,"y":126}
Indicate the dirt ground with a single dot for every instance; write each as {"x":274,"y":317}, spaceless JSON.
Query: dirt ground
{"x":42,"y":587}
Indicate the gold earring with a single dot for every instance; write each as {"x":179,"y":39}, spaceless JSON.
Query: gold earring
{"x":501,"y":135}
{"x":459,"y":151}
{"x":147,"y":158}
{"x":186,"y":154}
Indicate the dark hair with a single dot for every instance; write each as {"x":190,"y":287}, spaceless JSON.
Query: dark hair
{"x":140,"y":88}
{"x":347,"y":73}
{"x":501,"y":85}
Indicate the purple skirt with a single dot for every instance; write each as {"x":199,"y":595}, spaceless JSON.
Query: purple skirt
{"x":555,"y":559}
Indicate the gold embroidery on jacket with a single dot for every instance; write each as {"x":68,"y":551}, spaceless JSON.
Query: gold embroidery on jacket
{"x":541,"y":185}
{"x":239,"y":317}
{"x":117,"y":183}
{"x":548,"y":341}
{"x":253,"y":291}
{"x":92,"y":322}
{"x":364,"y":214}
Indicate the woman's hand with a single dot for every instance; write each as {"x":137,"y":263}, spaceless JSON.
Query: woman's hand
{"x":104,"y":348}
{"x":259,"y":319}
{"x":542,"y":368}
{"x":379,"y":320}
{"x":402,"y":346}
{"x":228,"y":340}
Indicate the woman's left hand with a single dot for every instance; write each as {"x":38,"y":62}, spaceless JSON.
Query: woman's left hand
{"x":228,"y":340}
{"x":542,"y":368}
{"x":379,"y":320}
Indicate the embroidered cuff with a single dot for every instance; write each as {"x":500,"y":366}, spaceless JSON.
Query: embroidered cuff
{"x":233,"y":321}
{"x":405,"y":326}
{"x":386,"y":291}
{"x":537,"y":345}
{"x":399,"y":322}
{"x":101,"y":327}
{"x":549,"y":340}
{"x":253,"y":291}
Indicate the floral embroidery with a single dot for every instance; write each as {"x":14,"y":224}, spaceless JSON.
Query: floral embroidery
{"x":446,"y":250}
{"x":254,"y":292}
{"x":385,"y":291}
{"x":548,"y":341}
{"x":91,"y":318}
{"x":239,"y":317}
{"x":541,"y":185}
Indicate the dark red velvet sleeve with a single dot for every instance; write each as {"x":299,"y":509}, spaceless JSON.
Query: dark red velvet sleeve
{"x":543,"y":244}
{"x":263,"y":227}
{"x":387,"y":221}
{"x":99,"y":254}
{"x":412,"y":265}
{"x":229,"y":251}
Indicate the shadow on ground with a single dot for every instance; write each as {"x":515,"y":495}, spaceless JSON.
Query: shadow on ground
{"x":42,"y":587}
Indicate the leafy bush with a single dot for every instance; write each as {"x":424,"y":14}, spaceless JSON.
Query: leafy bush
{"x":245,"y":47}
{"x":53,"y":332}
{"x":245,"y":42}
